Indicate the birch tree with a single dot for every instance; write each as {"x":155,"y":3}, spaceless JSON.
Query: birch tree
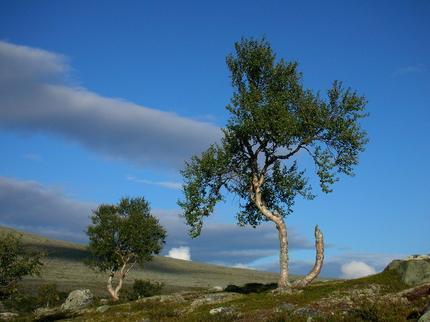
{"x":276,"y":126}
{"x":122,"y":236}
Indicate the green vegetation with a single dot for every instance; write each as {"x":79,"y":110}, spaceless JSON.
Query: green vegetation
{"x":146,"y":288}
{"x":254,"y":301}
{"x":273,"y":118}
{"x":264,"y":306}
{"x":16,"y":262}
{"x":48,"y":295}
{"x":121,"y":236}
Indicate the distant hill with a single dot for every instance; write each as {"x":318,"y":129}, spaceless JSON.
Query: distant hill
{"x":64,"y":266}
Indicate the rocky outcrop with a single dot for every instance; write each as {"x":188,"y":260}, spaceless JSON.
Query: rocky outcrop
{"x":75,"y":305}
{"x":77,"y":300}
{"x":414,"y":270}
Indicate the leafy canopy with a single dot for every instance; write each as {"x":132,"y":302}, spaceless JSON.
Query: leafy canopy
{"x":273,"y":117}
{"x":15,"y":263}
{"x":124,"y":233}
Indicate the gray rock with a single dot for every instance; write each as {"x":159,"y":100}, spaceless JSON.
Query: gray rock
{"x":285,"y":307}
{"x":217,"y":289}
{"x":77,"y":300}
{"x":227,"y":310}
{"x":414,"y":271}
{"x":418,"y":257}
{"x":307,"y":312}
{"x":213,"y":298}
{"x":104,"y":301}
{"x":102,"y":309}
{"x":177,"y":298}
{"x":425,"y":317}
{"x":6,"y":316}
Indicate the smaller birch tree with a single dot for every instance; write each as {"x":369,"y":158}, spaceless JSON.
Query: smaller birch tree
{"x":122,"y":236}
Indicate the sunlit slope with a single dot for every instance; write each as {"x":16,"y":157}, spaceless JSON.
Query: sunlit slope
{"x":64,"y":266}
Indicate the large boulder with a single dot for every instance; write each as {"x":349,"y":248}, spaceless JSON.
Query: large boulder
{"x":77,"y":300}
{"x":414,"y":270}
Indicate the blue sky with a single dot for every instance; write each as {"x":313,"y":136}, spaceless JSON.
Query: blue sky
{"x":169,"y":57}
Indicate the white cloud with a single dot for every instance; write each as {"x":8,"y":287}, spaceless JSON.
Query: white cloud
{"x":245,"y":266}
{"x":182,"y":252}
{"x":163,"y":184}
{"x":35,"y":97}
{"x":356,"y":269}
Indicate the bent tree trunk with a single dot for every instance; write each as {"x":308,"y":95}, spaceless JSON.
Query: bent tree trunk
{"x":114,"y":292}
{"x":319,"y":259}
{"x":284,"y":283}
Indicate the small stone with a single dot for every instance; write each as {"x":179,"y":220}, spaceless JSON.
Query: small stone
{"x":223,"y":310}
{"x":286,"y":307}
{"x":103,"y":308}
{"x":104,"y":301}
{"x":217,"y":289}
{"x":308,"y":312}
{"x":7,"y":316}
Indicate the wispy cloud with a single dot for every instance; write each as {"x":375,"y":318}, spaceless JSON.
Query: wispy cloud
{"x":163,"y":184}
{"x":409,"y":70}
{"x":35,"y":97}
{"x":240,"y":265}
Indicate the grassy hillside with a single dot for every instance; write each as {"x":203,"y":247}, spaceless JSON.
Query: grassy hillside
{"x":64,"y":266}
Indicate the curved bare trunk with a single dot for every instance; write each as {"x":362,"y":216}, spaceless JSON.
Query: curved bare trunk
{"x":283,"y":283}
{"x":114,"y":292}
{"x":319,"y":259}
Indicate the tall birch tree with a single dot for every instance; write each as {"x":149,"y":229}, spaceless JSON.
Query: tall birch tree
{"x":275,"y":126}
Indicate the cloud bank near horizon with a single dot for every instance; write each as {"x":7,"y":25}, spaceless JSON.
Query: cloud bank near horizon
{"x":35,"y":208}
{"x":35,"y":97}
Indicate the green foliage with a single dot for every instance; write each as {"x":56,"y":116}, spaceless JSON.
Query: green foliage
{"x":273,"y":117}
{"x":15,"y":263}
{"x":124,"y":234}
{"x":146,"y":288}
{"x":48,"y":295}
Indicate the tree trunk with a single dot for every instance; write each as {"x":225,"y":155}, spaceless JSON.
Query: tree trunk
{"x":110,"y":289}
{"x":114,"y":293}
{"x":319,"y":259}
{"x":283,"y":283}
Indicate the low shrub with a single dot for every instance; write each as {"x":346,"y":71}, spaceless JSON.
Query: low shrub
{"x":146,"y":288}
{"x":250,"y":288}
{"x":48,"y":295}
